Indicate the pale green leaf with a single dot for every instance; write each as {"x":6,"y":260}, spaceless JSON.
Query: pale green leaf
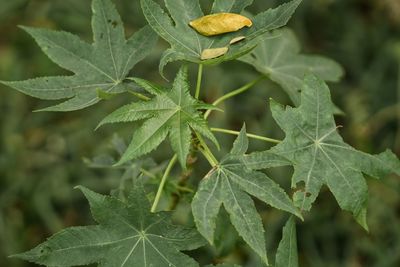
{"x":170,"y":113}
{"x":286,"y":255}
{"x":320,"y":156}
{"x":188,"y":45}
{"x":127,"y":234}
{"x":100,"y":67}
{"x":230,"y":183}
{"x":278,"y":56}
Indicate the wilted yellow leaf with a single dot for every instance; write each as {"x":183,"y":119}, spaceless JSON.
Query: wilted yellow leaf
{"x":220,"y":23}
{"x":237,"y":39}
{"x":213,"y":53}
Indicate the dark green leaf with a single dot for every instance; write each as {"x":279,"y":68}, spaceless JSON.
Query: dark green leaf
{"x":187,"y":44}
{"x":286,"y":255}
{"x":100,"y":67}
{"x":127,"y":234}
{"x":320,"y":156}
{"x":230,"y":184}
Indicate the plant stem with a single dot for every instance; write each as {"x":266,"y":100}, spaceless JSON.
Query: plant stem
{"x":205,"y":150}
{"x":254,"y":136}
{"x":163,"y":181}
{"x":234,"y":93}
{"x":199,"y":78}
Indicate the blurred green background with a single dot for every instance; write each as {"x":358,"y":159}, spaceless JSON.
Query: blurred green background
{"x":42,"y":154}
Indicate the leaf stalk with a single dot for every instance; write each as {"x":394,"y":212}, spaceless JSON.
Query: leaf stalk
{"x":238,"y":91}
{"x":199,"y":79}
{"x":254,"y":136}
{"x":163,"y":181}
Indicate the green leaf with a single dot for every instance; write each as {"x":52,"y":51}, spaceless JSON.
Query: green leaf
{"x":127,"y":234}
{"x":170,"y":113}
{"x":320,"y":156}
{"x":286,"y":255}
{"x":100,"y":67}
{"x":278,"y":56}
{"x":188,"y":45}
{"x":230,"y":184}
{"x":223,"y":265}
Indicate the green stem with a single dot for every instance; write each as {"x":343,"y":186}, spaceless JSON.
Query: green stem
{"x":199,"y":78}
{"x":254,"y":136}
{"x":205,"y":150}
{"x":240,"y":90}
{"x":163,"y":181}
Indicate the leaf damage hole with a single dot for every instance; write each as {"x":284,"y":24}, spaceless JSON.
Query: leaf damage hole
{"x":113,"y":23}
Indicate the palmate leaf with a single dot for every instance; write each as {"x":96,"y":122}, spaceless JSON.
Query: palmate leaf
{"x":127,"y":234}
{"x":230,"y":184}
{"x":100,"y":67}
{"x":320,"y":156}
{"x":187,"y":44}
{"x":171,"y":112}
{"x":286,"y":255}
{"x":278,"y":56}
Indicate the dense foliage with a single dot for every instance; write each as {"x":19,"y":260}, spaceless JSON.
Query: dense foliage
{"x":132,"y":232}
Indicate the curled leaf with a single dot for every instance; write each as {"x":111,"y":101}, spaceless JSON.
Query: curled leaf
{"x":213,"y":53}
{"x":220,"y":23}
{"x":237,"y":39}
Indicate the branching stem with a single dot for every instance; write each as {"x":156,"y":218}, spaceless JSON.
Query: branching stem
{"x":238,"y":91}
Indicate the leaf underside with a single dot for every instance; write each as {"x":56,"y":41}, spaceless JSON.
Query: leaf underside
{"x":188,"y":45}
{"x":278,"y":56}
{"x":321,"y":157}
{"x":230,"y":184}
{"x":127,"y":234}
{"x":100,"y":67}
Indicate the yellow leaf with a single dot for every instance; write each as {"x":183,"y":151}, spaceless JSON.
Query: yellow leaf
{"x":213,"y":53}
{"x":220,"y":23}
{"x":237,"y":39}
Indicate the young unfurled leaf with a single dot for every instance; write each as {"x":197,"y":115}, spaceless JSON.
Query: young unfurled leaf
{"x":187,"y":44}
{"x":230,"y":184}
{"x":278,"y":56}
{"x":171,"y":112}
{"x":286,"y":255}
{"x":214,"y":53}
{"x":220,"y":23}
{"x":320,"y":156}
{"x":102,"y":65}
{"x":127,"y":234}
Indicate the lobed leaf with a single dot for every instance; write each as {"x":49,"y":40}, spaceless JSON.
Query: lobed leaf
{"x":99,"y":69}
{"x":127,"y":234}
{"x":230,"y":184}
{"x":188,"y":45}
{"x":278,"y":56}
{"x":173,"y":113}
{"x":320,"y":156}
